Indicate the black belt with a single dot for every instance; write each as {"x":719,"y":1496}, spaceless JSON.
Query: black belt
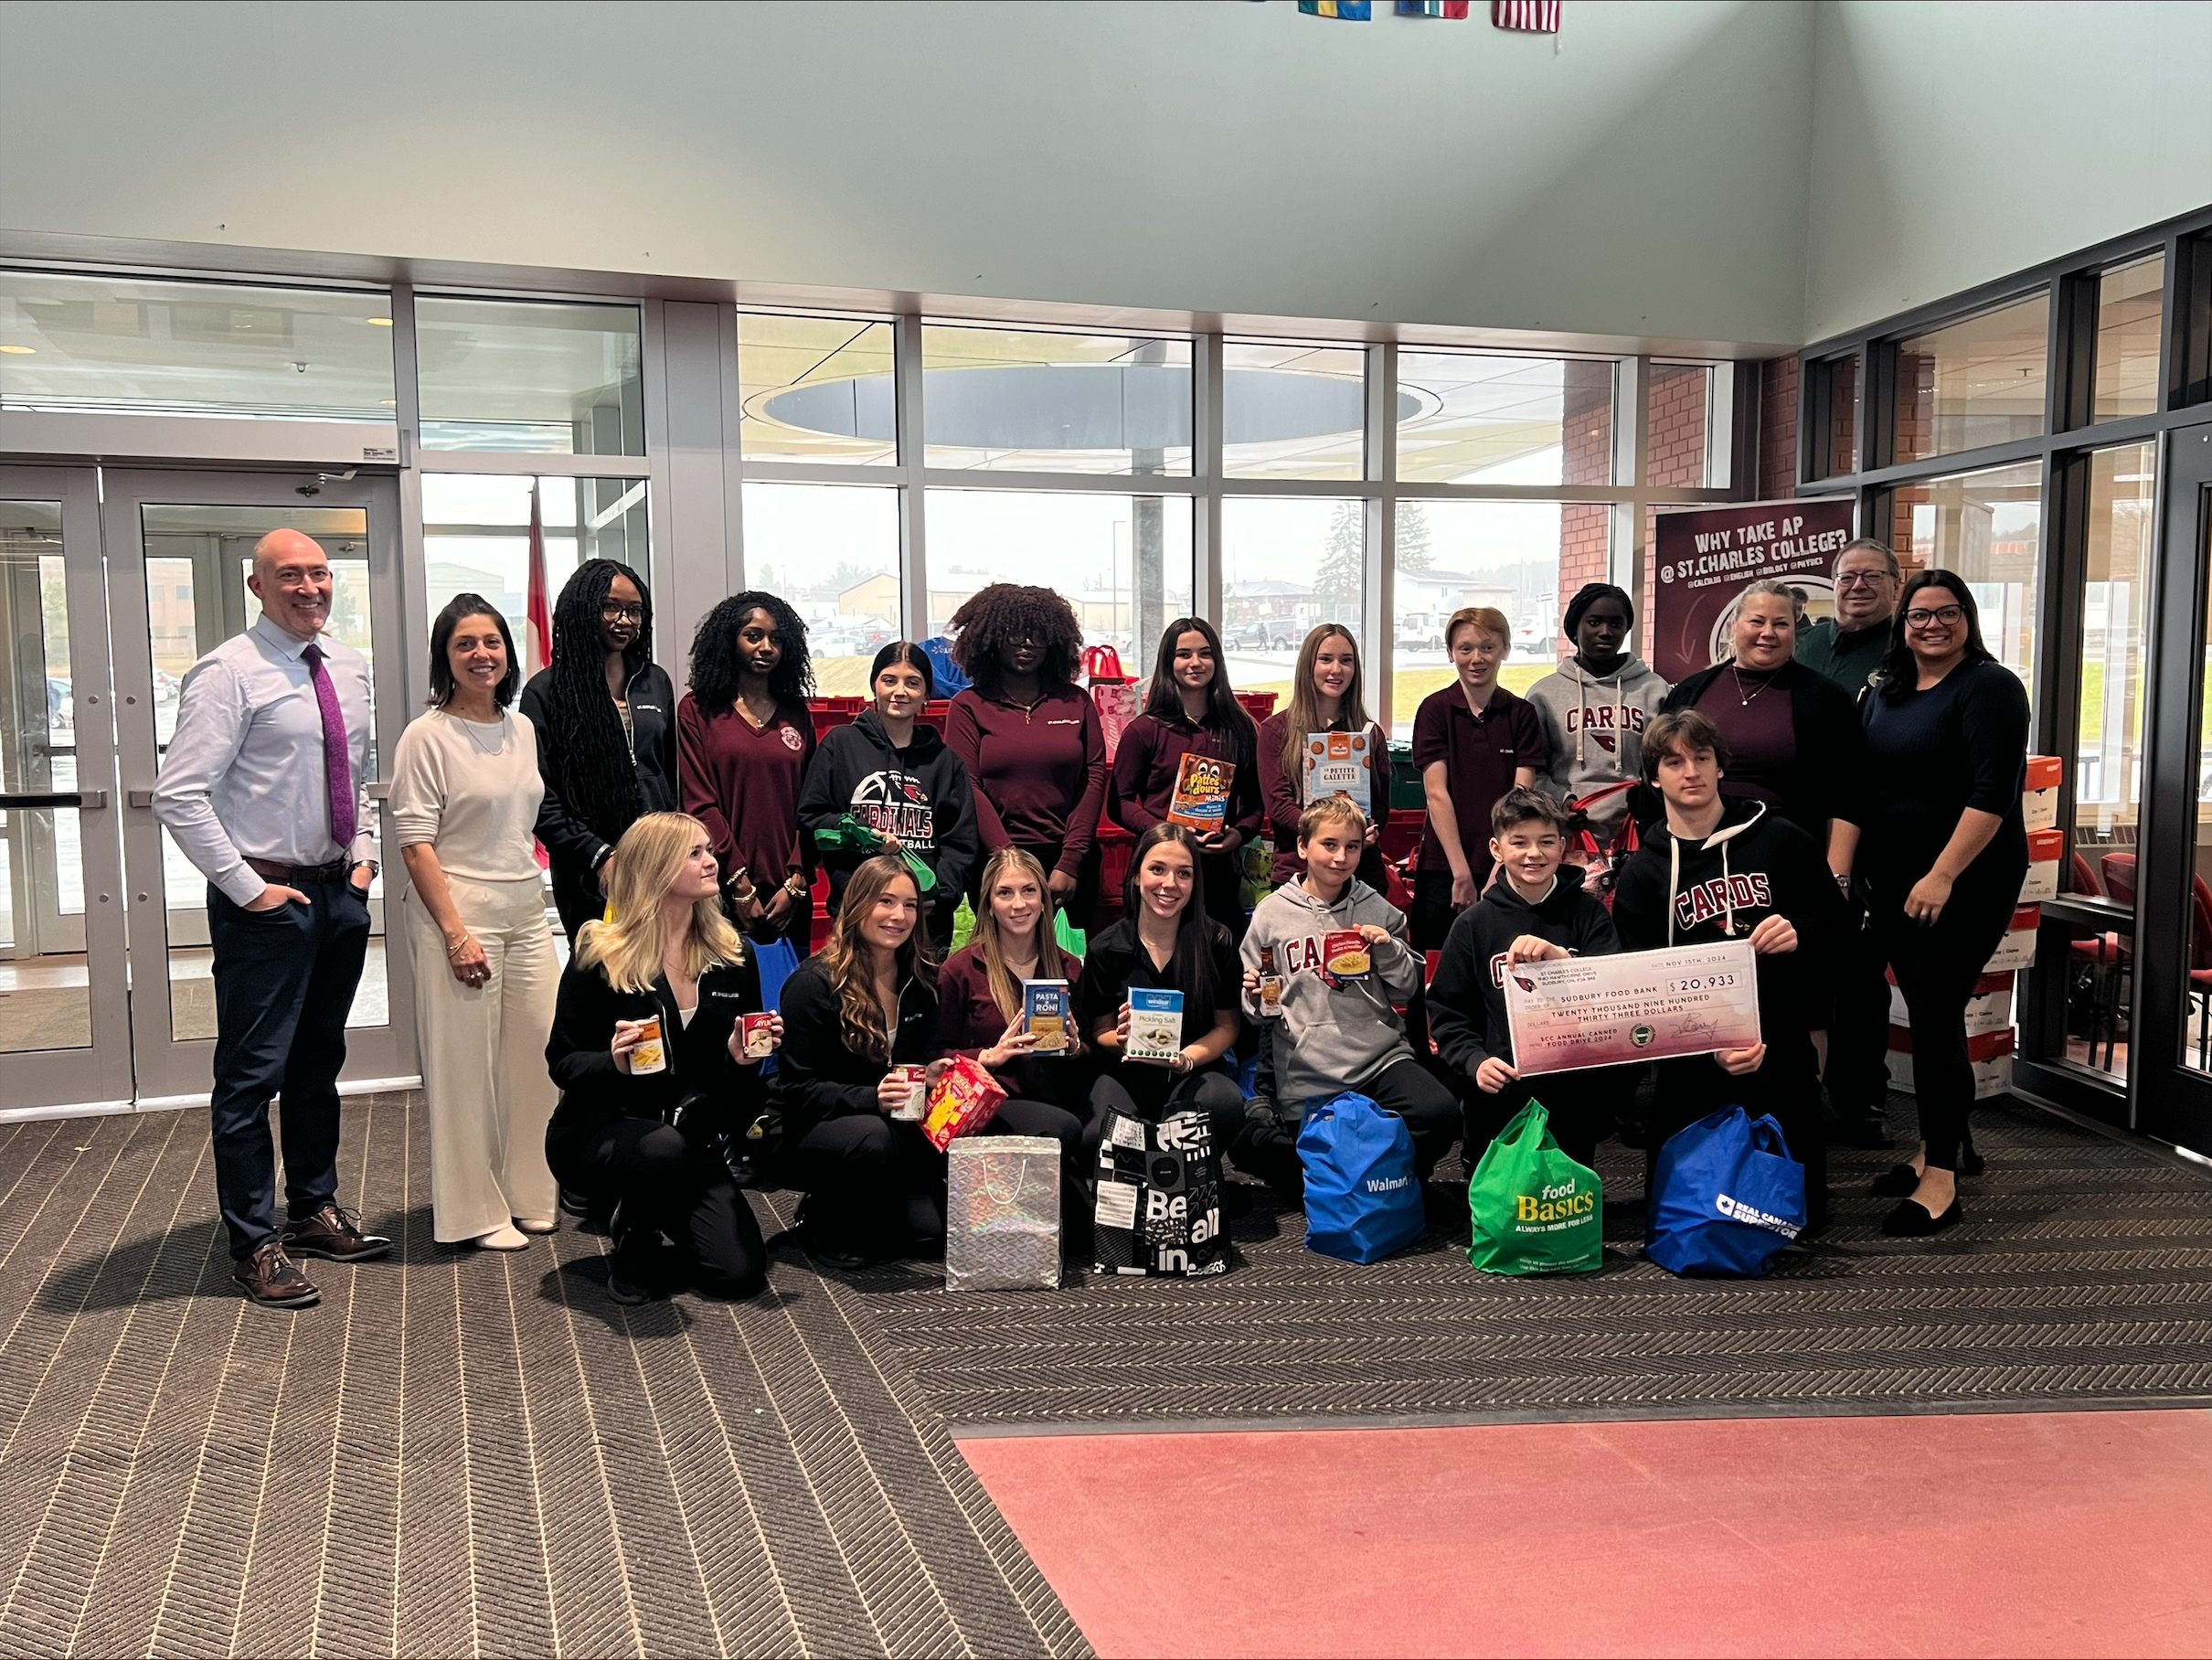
{"x":291,"y":876}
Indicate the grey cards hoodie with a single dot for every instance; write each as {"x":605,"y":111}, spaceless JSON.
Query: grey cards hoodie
{"x":1594,"y":730}
{"x":1331,"y":1036}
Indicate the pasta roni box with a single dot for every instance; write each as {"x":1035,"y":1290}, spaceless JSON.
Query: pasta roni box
{"x":1045,"y":1014}
{"x":1201,"y":798}
{"x":1336,"y":764}
{"x":1155,"y":1025}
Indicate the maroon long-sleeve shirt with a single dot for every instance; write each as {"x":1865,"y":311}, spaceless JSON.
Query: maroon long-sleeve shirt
{"x":1279,"y":789}
{"x":744,"y":785}
{"x":1039,"y":773}
{"x":1150,"y":757}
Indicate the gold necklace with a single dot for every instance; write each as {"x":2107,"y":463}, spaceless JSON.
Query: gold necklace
{"x":1738,"y":674}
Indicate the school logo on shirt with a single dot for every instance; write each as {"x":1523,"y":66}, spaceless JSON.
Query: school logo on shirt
{"x":790,"y":734}
{"x":1749,"y":892}
{"x":1598,"y":723}
{"x":891,"y":803}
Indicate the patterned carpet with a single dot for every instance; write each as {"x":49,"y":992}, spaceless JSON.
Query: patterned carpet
{"x":2081,"y":1276}
{"x":458,"y":1452}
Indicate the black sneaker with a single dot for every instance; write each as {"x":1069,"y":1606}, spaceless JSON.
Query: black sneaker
{"x":271,"y":1279}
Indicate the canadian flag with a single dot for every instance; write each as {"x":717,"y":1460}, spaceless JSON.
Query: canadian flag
{"x":538,"y":642}
{"x":1535,"y":16}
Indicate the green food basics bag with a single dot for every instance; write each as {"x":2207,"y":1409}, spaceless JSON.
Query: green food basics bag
{"x":851,"y":836}
{"x":1532,"y":1209}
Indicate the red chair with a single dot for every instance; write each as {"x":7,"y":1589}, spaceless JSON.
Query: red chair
{"x":2079,"y":879}
{"x":2109,"y":957}
{"x":2200,"y":966}
{"x":2119,"y":878}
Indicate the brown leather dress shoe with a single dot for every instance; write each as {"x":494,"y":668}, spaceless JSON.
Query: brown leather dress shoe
{"x":270,"y":1280}
{"x":333,"y":1234}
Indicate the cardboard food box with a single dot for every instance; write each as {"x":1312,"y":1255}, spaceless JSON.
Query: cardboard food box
{"x":1344,"y":953}
{"x":1201,"y":798}
{"x":1155,"y":1025}
{"x":2039,"y":792}
{"x":1990,"y":1053}
{"x":1336,"y":764}
{"x":1045,"y":1014}
{"x":2016,"y":950}
{"x":1989,"y":1009}
{"x":961,"y":1101}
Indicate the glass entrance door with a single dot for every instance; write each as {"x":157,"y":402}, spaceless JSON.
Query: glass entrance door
{"x":179,"y":549}
{"x":2172,"y":1077}
{"x":64,"y":1020}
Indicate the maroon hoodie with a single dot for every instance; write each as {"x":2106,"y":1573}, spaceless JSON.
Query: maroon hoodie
{"x":1039,"y":773}
{"x":1150,"y":757}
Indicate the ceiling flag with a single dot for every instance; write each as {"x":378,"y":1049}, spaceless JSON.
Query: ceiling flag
{"x":538,"y":642}
{"x":1535,"y":16}
{"x":1351,"y":11}
{"x":1432,"y":9}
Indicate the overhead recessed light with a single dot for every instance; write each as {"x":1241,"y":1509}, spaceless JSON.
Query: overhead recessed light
{"x":379,"y":322}
{"x":21,"y":351}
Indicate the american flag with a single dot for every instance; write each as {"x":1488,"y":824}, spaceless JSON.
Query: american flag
{"x":1537,"y":17}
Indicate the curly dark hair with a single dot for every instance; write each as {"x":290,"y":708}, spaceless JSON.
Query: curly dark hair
{"x":1005,"y":614}
{"x":715,"y":663}
{"x":583,"y":746}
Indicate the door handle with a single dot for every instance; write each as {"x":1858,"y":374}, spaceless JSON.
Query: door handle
{"x":70,"y":798}
{"x":139,"y":798}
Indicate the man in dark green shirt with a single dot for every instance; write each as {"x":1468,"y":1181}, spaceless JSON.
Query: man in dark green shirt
{"x":1848,"y":646}
{"x":1848,"y":649}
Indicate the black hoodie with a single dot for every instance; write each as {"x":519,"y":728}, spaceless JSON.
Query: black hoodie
{"x":1755,"y":864}
{"x":1467,"y":996}
{"x":919,"y":794}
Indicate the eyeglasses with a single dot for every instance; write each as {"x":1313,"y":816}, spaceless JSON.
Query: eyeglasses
{"x":1868,"y":578}
{"x":1946,"y":615}
{"x":611,"y":612}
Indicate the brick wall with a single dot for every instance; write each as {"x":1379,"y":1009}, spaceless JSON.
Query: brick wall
{"x":1777,"y":428}
{"x":1676,"y":436}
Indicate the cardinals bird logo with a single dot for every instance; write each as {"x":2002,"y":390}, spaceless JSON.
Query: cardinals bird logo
{"x":1525,"y":983}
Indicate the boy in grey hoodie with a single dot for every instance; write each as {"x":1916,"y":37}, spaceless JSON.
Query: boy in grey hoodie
{"x":1594,"y":707}
{"x":1339,"y":950}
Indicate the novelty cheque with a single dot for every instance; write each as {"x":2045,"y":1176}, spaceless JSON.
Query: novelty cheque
{"x":1568,"y":1014}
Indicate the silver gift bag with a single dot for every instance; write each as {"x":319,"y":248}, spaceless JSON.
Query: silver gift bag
{"x":1003,"y":1213}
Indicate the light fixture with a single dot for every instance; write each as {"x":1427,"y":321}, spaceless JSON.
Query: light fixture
{"x":388,"y":404}
{"x":20,"y":351}
{"x":379,"y":322}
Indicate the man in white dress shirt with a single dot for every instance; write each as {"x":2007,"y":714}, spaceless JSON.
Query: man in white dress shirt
{"x":263,"y":790}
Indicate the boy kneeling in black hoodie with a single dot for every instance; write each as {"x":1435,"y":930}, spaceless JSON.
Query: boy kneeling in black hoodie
{"x":1536,"y":909}
{"x":1726,"y":868}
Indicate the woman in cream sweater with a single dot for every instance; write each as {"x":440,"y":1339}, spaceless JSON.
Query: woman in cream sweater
{"x":465,"y":792}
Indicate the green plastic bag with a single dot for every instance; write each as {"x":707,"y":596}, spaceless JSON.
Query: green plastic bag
{"x":850,"y":835}
{"x":1532,"y":1209}
{"x":963,"y":925}
{"x":1066,"y":935}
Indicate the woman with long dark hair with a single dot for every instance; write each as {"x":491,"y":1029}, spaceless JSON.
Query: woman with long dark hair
{"x":1325,"y":696}
{"x":1190,"y":708}
{"x":1945,"y":852}
{"x":744,"y":739}
{"x":605,"y":718}
{"x":464,"y":796}
{"x":896,"y":777}
{"x":1030,"y":739}
{"x":646,"y":1117}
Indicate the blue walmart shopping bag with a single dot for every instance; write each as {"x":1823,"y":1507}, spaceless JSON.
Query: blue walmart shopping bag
{"x":1726,"y":1195}
{"x":777,"y":960}
{"x":1362,"y":1200}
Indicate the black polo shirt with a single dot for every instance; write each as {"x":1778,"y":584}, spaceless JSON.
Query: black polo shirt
{"x":1480,"y":755}
{"x":1115,"y":962}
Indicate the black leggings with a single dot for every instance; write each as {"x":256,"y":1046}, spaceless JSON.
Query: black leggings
{"x":664,"y":1184}
{"x":1936,"y":967}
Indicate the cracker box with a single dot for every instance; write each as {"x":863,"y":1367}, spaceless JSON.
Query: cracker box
{"x":963,"y":1101}
{"x":1045,"y":1014}
{"x":1336,"y":764}
{"x":1155,"y":1025}
{"x":1201,"y":798}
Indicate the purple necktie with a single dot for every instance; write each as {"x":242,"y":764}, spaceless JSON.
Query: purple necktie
{"x":338,"y":771}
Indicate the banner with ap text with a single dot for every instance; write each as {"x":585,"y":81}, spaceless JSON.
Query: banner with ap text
{"x":1703,"y":558}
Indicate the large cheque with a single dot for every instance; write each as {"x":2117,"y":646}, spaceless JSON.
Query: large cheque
{"x":1637,"y":1005}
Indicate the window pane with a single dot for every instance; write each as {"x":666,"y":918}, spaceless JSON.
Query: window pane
{"x":1835,"y":382}
{"x":1028,"y":402}
{"x":1988,"y":528}
{"x":1470,"y":418}
{"x":832,"y":551}
{"x":816,"y":389}
{"x":1294,"y":411}
{"x":477,"y":536}
{"x":1504,"y":555}
{"x":2108,"y":759}
{"x":1288,"y":563}
{"x":1123,"y":562}
{"x":102,"y":346}
{"x":1972,"y":383}
{"x":548,"y":379}
{"x":2129,"y":311}
{"x":1677,"y":431}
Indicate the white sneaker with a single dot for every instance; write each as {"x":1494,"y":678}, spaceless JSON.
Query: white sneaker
{"x":504,"y":1238}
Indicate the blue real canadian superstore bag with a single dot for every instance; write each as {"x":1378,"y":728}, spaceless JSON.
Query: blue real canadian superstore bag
{"x":1727,"y":1196}
{"x":1362,"y":1198}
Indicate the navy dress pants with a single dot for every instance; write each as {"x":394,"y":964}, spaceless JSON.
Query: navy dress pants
{"x":284,"y":982}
